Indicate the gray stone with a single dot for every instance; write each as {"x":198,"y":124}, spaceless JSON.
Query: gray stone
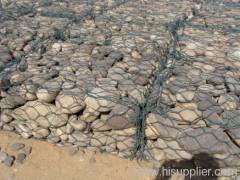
{"x":216,"y":109}
{"x":235,"y":134}
{"x":42,"y":112}
{"x":206,"y":88}
{"x":17,"y":146}
{"x":101,"y":100}
{"x":236,"y":54}
{"x":125,"y":143}
{"x":41,"y":133}
{"x":184,"y":95}
{"x":233,"y":85}
{"x":231,"y":118}
{"x":228,"y":102}
{"x":68,"y":85}
{"x":81,"y":138}
{"x":7,"y":127}
{"x":8,"y":161}
{"x":204,"y":105}
{"x":27,"y":150}
{"x":215,"y":80}
{"x":57,"y":120}
{"x":173,"y":89}
{"x":181,"y":82}
{"x":141,"y":80}
{"x":70,"y":101}
{"x":217,"y":92}
{"x":121,"y":117}
{"x":100,"y":125}
{"x":3,"y":156}
{"x":21,"y":157}
{"x":158,"y":126}
{"x":5,"y":116}
{"x":11,"y":102}
{"x":213,"y":119}
{"x":201,"y":96}
{"x":99,"y":139}
{"x":234,"y":88}
{"x":78,"y":124}
{"x":49,"y":90}
{"x":187,"y":112}
{"x":137,"y":95}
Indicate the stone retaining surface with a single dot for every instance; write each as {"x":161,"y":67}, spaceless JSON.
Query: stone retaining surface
{"x":152,"y":79}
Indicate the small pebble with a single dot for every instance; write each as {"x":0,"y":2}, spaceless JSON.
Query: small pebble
{"x":21,"y":157}
{"x":17,"y":146}
{"x":27,"y":150}
{"x":3,"y":156}
{"x":8,"y":161}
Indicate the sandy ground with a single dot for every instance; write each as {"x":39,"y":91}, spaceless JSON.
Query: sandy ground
{"x":50,"y":162}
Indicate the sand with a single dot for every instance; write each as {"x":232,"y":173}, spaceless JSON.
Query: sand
{"x":50,"y":162}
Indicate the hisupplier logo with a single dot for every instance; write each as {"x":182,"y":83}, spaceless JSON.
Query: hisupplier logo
{"x":198,"y":171}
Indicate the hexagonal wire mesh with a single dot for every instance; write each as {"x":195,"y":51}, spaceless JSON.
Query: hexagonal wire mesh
{"x":150,"y":79}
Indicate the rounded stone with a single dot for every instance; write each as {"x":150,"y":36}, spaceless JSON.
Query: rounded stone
{"x":236,"y":54}
{"x":3,"y":156}
{"x":185,"y":95}
{"x":5,"y":116}
{"x":100,"y":100}
{"x":121,"y":117}
{"x":41,"y":133}
{"x":45,"y":95}
{"x":228,"y":102}
{"x":70,"y":101}
{"x":8,"y":161}
{"x":20,"y":157}
{"x":17,"y":146}
{"x":78,"y":124}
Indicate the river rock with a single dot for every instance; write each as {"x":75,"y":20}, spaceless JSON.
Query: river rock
{"x":28,"y":91}
{"x":20,"y":157}
{"x":3,"y":156}
{"x":121,"y":117}
{"x":158,"y":126}
{"x":185,"y":112}
{"x":99,"y":139}
{"x":17,"y":146}
{"x":41,"y":133}
{"x":40,"y":112}
{"x":5,"y":116}
{"x":185,"y":95}
{"x":77,"y":123}
{"x":100,"y":125}
{"x":89,"y":115}
{"x":228,"y":102}
{"x":236,"y":54}
{"x":49,"y":90}
{"x":70,"y":101}
{"x":11,"y":101}
{"x":215,"y":80}
{"x":8,"y":161}
{"x":101,"y":100}
{"x":125,"y":143}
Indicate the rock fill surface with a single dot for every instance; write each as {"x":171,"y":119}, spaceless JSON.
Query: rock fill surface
{"x":153,"y":79}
